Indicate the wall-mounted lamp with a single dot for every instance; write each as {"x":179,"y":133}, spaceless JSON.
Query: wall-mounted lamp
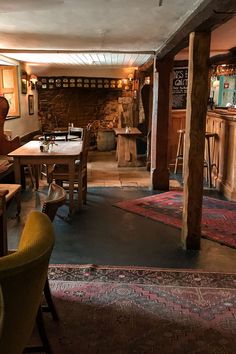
{"x":147,"y":80}
{"x":32,"y":81}
{"x":130,"y":77}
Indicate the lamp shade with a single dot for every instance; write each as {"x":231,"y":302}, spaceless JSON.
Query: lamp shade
{"x":33,"y":78}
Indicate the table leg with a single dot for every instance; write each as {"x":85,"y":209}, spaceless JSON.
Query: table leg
{"x":18,"y":202}
{"x":3,"y":227}
{"x":71,"y":185}
{"x":17,"y":171}
{"x":117,"y":147}
{"x":36,"y":176}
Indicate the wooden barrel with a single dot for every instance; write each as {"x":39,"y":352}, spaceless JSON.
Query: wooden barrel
{"x":105,"y":140}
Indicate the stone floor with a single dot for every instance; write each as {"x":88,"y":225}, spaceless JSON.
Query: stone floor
{"x":104,"y":234}
{"x":113,"y":176}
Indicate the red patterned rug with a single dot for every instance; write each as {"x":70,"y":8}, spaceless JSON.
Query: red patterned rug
{"x":130,"y":310}
{"x":218,"y":216}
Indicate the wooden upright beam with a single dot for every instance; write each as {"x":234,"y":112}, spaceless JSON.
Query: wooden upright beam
{"x":197,"y":97}
{"x":162,"y":102}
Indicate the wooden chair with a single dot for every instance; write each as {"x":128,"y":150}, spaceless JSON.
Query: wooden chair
{"x":56,"y":198}
{"x":61,"y":175}
{"x":22,"y":279}
{"x":76,"y":133}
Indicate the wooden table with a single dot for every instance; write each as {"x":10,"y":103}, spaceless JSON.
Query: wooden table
{"x":126,"y":151}
{"x":64,"y":152}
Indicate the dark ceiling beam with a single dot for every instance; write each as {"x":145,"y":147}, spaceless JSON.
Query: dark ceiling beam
{"x":209,"y":15}
{"x":148,"y":66}
{"x":180,"y":63}
{"x":61,"y":51}
{"x":228,"y":58}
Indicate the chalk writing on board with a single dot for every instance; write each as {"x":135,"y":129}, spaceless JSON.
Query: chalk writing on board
{"x":180,"y":84}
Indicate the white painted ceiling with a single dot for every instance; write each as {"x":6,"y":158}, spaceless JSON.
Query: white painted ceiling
{"x":93,"y":31}
{"x":115,"y":25}
{"x":83,"y":59}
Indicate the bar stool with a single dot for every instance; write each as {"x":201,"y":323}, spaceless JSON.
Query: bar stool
{"x":180,"y":149}
{"x":208,"y":155}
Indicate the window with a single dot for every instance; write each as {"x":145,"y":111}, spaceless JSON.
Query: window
{"x":9,"y":88}
{"x":227,"y":91}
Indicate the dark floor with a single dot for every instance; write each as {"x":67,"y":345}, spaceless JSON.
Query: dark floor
{"x":104,"y":234}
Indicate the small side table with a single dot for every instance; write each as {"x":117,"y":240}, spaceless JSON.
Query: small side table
{"x":126,"y":151}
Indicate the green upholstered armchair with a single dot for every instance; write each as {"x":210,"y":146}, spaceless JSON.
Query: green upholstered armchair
{"x":22,"y":279}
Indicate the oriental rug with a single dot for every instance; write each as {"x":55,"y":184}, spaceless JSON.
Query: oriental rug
{"x":131,"y":310}
{"x":218,"y":216}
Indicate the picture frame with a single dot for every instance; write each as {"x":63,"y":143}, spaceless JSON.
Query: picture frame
{"x":31,"y":104}
{"x":24,"y":83}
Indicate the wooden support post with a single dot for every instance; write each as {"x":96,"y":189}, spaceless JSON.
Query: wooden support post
{"x":197,"y":97}
{"x":150,"y":123}
{"x":162,"y":93}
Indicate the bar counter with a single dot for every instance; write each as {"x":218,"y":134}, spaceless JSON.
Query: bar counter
{"x":223,"y":150}
{"x":223,"y":147}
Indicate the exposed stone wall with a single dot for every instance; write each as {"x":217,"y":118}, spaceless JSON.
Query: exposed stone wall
{"x":80,"y":106}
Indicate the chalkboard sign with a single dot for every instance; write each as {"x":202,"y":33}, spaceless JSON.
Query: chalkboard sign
{"x":180,"y":84}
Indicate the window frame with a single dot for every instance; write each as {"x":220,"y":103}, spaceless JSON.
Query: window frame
{"x":8,"y":90}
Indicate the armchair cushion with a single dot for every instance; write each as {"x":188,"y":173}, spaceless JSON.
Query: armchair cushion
{"x":22,"y":278}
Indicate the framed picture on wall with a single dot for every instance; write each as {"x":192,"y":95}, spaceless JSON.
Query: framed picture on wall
{"x":23,"y":83}
{"x":31,"y":104}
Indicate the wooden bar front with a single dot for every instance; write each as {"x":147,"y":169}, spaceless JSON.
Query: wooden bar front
{"x":223,"y":148}
{"x":223,"y":151}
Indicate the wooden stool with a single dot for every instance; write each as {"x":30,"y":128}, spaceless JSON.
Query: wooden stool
{"x":180,"y":149}
{"x":208,"y":159}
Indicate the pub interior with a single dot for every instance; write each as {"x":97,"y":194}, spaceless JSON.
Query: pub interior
{"x":94,"y":117}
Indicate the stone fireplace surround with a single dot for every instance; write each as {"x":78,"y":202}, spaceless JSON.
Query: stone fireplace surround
{"x":59,"y":107}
